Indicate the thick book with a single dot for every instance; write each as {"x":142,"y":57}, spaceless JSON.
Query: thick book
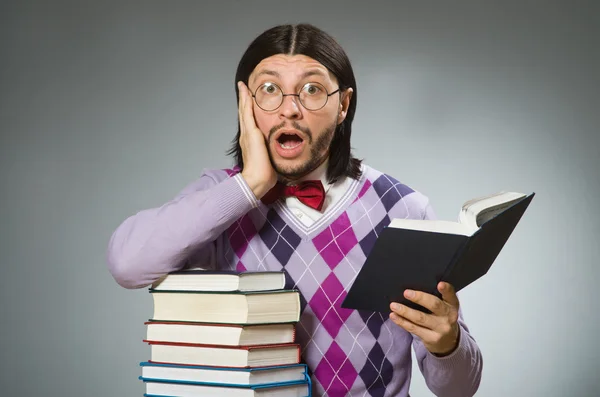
{"x":278,"y":306}
{"x":418,"y":254}
{"x":156,"y":388}
{"x":221,"y":376}
{"x":224,"y":356}
{"x":220,"y":334}
{"x":222,"y":280}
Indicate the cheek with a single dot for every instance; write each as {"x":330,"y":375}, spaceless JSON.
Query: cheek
{"x":322,"y":120}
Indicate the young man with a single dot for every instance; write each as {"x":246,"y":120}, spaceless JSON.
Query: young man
{"x":297,"y":97}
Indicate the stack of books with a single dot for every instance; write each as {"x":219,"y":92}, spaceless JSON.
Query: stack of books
{"x":224,"y":334}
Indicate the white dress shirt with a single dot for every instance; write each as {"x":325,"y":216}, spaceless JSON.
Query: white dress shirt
{"x":333,"y":192}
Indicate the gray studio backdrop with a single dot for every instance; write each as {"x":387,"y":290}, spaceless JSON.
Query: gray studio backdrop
{"x":106,"y":109}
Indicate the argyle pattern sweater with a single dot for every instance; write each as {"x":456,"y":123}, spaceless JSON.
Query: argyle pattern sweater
{"x":218,"y":223}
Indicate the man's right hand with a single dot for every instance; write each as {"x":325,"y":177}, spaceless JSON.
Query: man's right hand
{"x":258,"y":171}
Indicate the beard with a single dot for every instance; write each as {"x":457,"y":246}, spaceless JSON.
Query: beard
{"x":319,"y":150}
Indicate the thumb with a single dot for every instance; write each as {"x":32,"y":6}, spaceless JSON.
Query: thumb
{"x":448,"y":294}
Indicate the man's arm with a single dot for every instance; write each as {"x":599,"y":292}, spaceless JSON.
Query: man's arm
{"x":157,"y":241}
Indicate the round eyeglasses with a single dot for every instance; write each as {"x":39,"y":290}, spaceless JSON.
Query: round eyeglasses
{"x":313,"y":96}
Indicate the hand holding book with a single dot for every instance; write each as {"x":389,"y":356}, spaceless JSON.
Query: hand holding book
{"x":438,"y":330}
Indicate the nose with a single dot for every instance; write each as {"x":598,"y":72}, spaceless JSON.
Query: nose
{"x":290,"y":108}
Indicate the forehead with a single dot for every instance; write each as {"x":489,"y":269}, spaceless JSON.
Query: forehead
{"x":290,"y":67}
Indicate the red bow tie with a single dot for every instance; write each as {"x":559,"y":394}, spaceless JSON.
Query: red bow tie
{"x":311,"y":193}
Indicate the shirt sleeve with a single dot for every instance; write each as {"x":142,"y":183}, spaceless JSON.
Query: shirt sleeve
{"x":156,"y":241}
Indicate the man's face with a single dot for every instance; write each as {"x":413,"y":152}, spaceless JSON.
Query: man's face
{"x":298,"y":139}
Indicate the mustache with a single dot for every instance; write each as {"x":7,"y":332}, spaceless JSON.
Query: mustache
{"x":297,"y":126}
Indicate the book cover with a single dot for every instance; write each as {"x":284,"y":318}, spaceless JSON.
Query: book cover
{"x":415,"y":259}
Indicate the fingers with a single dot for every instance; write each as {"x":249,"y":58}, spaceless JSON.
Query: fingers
{"x":449,"y":294}
{"x":416,"y":329}
{"x":245,"y":107}
{"x":437,"y":330}
{"x":416,"y":317}
{"x":431,"y":302}
{"x":241,"y":102}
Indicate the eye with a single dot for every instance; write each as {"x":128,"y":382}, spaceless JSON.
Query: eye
{"x":312,"y":89}
{"x":269,"y":88}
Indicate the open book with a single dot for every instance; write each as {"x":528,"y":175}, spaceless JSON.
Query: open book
{"x":417,"y":254}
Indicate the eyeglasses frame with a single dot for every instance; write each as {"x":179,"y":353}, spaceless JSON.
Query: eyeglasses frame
{"x":296,"y":95}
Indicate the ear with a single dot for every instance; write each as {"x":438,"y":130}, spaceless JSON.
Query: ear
{"x":344,"y":105}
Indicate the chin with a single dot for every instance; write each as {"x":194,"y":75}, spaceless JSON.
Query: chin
{"x":289,"y":168}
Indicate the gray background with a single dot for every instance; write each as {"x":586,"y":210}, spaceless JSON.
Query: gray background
{"x":106,"y":109}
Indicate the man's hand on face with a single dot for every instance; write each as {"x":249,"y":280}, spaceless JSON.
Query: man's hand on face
{"x":258,"y":171}
{"x":439,"y":330}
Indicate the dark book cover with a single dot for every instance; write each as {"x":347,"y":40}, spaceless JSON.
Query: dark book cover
{"x":410,"y":259}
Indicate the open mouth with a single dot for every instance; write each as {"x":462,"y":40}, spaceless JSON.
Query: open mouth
{"x":289,"y":140}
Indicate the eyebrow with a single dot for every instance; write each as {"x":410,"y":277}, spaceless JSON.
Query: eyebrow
{"x":269,"y":72}
{"x":315,"y":72}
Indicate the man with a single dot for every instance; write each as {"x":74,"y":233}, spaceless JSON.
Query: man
{"x":297,"y":97}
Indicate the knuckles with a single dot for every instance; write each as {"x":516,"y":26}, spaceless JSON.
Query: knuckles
{"x":437,"y":305}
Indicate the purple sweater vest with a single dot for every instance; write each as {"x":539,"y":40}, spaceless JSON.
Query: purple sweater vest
{"x":216,"y":222}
